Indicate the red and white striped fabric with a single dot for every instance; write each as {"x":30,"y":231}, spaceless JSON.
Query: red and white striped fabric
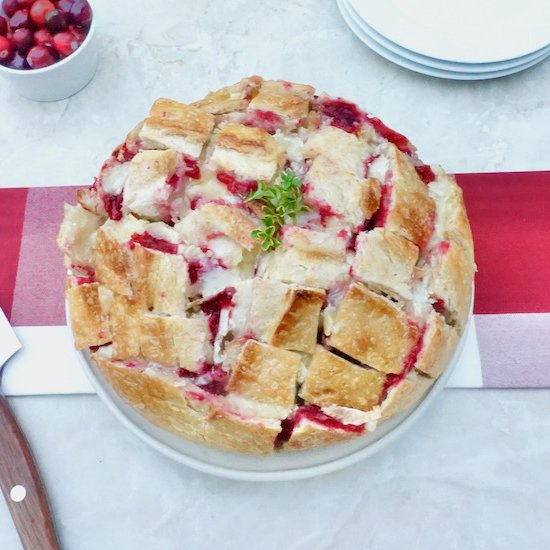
{"x":510,"y":218}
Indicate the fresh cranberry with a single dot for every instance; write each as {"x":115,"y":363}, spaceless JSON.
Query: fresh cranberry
{"x":25,"y":4}
{"x":39,"y":10}
{"x":3,"y":26}
{"x":40,"y":56}
{"x":65,"y":5}
{"x":56,"y":21}
{"x":78,"y":33}
{"x":23,"y":40}
{"x":6,"y":50}
{"x":43,"y":38}
{"x":65,"y":43}
{"x":9,"y":7}
{"x":81,"y":13}
{"x":20,"y":20}
{"x":18,"y":62}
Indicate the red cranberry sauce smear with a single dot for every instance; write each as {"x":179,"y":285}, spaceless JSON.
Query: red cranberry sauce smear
{"x":236,"y":186}
{"x":124,"y":153}
{"x":399,"y":140}
{"x":149,"y":241}
{"x":267,"y":120}
{"x":192,"y":169}
{"x":367,"y":162}
{"x":425,"y":173}
{"x":113,"y":205}
{"x":314,"y":414}
{"x":213,"y":306}
{"x":439,"y":306}
{"x":410,"y":361}
{"x":85,"y":280}
{"x":342,"y":114}
{"x":211,"y":378}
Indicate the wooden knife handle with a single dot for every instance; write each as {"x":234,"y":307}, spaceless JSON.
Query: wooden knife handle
{"x":31,"y":515}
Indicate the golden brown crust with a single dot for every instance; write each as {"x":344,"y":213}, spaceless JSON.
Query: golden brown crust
{"x":438,"y":343}
{"x":297,"y":330}
{"x":385,"y":261}
{"x":112,"y":263}
{"x":373,"y":330}
{"x":331,"y":380}
{"x":450,"y":280}
{"x":125,"y":316}
{"x":265,"y":374}
{"x":408,"y":392}
{"x":412,"y":210}
{"x":89,"y":315}
{"x":309,"y":435}
{"x":169,"y":119}
{"x":230,"y":98}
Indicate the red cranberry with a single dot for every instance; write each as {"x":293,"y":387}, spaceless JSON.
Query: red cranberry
{"x":40,"y":56}
{"x":3,"y":26}
{"x":18,"y":62}
{"x":78,"y":33}
{"x":65,"y":5}
{"x":81,"y":13}
{"x":39,"y":10}
{"x":20,"y":20}
{"x":65,"y":43}
{"x":43,"y":38}
{"x":26,"y":4}
{"x":10,"y":7}
{"x":56,"y":21}
{"x":6,"y":50}
{"x":23,"y":40}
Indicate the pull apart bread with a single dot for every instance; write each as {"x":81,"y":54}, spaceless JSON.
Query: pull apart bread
{"x":346,"y":321}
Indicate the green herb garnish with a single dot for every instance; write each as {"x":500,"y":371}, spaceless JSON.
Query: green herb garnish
{"x":282,"y":204}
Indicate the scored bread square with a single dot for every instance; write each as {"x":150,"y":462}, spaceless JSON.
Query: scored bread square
{"x":301,"y":317}
{"x":351,"y":198}
{"x":308,"y":258}
{"x":411,"y":210}
{"x":265,"y":374}
{"x":385,"y":261}
{"x":174,"y":341}
{"x":89,"y":307}
{"x":173,"y":125}
{"x":331,"y":380}
{"x":112,"y":260}
{"x":251,"y":153}
{"x":373,"y":330}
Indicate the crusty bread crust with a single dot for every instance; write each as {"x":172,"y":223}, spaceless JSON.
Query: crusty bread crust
{"x":348,"y":322}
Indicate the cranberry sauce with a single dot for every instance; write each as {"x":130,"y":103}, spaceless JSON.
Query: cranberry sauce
{"x":425,"y":173}
{"x":268,"y":120}
{"x":236,"y":186}
{"x":439,"y":306}
{"x":113,"y":206}
{"x":381,"y":216}
{"x":314,"y":414}
{"x":213,"y":306}
{"x":399,"y":140}
{"x":211,"y":378}
{"x":148,"y":241}
{"x":192,"y":169}
{"x":342,"y":114}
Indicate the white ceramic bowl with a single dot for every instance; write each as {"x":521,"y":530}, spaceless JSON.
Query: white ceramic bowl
{"x":60,"y":80}
{"x":279,"y":466}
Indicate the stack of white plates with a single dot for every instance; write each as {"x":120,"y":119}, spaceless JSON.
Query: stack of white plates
{"x":461,"y":40}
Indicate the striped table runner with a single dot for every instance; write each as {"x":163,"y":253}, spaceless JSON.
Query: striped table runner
{"x":510,"y":218}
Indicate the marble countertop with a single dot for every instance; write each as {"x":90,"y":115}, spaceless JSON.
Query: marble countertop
{"x":472,"y":474}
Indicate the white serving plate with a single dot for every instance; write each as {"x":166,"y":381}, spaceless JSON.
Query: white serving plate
{"x":469,"y":31}
{"x":426,"y":69}
{"x":276,"y":467}
{"x":439,"y":63}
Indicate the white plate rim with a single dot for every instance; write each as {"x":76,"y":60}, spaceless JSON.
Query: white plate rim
{"x":384,"y":24}
{"x":142,"y":428}
{"x":440,"y":63}
{"x":425,"y":69}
